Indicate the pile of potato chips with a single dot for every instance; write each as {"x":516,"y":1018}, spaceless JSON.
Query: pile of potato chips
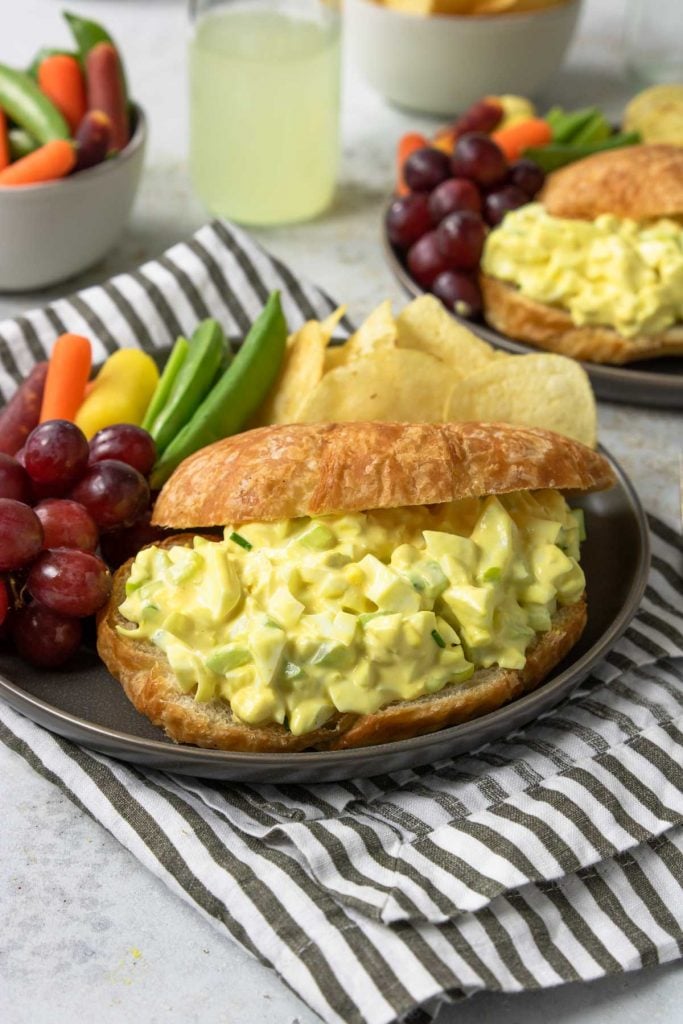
{"x":460,"y":7}
{"x":657,"y":113}
{"x":425,"y":366}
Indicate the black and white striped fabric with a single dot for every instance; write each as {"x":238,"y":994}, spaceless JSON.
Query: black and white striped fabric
{"x":553,"y":855}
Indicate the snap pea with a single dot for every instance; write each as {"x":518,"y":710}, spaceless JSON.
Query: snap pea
{"x":21,"y":143}
{"x":23,"y":101}
{"x":193,"y":382}
{"x":166,"y":382}
{"x":237,"y":394}
{"x":566,"y":125}
{"x":596,"y":130}
{"x":556,"y":155}
{"x":89,"y":33}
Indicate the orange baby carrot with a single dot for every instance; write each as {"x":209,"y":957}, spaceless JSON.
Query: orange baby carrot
{"x":407,"y":144}
{"x":514,"y":139}
{"x":61,"y":79}
{"x":4,"y":142}
{"x":53,"y":160}
{"x":67,"y":377}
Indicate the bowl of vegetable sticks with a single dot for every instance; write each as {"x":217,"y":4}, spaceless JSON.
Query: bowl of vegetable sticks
{"x":72,"y":146}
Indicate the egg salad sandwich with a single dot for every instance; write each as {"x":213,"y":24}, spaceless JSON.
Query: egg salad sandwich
{"x":594,"y":270}
{"x":371,"y":582}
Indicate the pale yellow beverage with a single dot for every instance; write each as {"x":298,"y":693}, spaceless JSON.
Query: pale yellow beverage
{"x":264,"y":97}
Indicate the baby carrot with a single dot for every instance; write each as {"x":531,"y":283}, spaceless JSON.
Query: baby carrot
{"x":514,"y":139}
{"x":4,"y":142}
{"x":53,"y":160}
{"x":407,"y":144}
{"x":67,"y":376}
{"x":61,"y":79}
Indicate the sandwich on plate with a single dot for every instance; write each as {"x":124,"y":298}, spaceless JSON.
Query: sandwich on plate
{"x":594,"y":269}
{"x":337,"y":585}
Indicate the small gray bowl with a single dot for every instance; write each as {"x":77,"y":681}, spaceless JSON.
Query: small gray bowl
{"x":52,"y":231}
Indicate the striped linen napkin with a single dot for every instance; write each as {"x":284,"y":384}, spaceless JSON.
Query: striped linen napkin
{"x":553,"y":855}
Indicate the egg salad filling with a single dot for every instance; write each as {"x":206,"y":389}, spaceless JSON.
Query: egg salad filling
{"x":618,"y":273}
{"x":296,"y":620}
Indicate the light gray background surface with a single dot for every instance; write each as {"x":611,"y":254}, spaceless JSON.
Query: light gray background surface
{"x":87,"y":934}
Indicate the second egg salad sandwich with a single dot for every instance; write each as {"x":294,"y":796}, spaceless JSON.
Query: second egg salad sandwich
{"x":372,"y":582}
{"x":595,"y":269}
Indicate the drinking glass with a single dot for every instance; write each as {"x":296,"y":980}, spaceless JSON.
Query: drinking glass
{"x":654,"y":39}
{"x":264,"y":107}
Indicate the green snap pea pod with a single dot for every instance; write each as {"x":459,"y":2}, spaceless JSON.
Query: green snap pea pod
{"x":21,"y":143}
{"x":568,"y":125}
{"x":23,"y":101}
{"x":237,"y":394}
{"x":47,"y":51}
{"x":555,"y":117}
{"x":166,"y":382}
{"x":555,"y":155}
{"x":89,"y":33}
{"x":595,"y":130}
{"x":192,"y":383}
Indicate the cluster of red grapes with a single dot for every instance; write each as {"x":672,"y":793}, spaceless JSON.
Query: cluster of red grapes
{"x":60,"y":498}
{"x":441,"y":224}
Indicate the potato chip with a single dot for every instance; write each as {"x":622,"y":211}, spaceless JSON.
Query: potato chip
{"x":657,"y":113}
{"x":334,"y":356}
{"x":426,"y":326}
{"x":302,"y":368}
{"x":376,"y":333}
{"x":390,"y":385}
{"x":329,"y":325}
{"x":492,"y":6}
{"x":542,"y":390}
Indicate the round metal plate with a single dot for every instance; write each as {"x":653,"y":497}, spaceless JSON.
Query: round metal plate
{"x":86,"y":705}
{"x":654,"y":382}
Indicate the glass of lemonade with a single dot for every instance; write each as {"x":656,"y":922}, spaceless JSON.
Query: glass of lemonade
{"x":264,"y":107}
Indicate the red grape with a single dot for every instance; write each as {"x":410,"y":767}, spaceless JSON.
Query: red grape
{"x":425,"y":260}
{"x":4,"y":601}
{"x":120,"y":545}
{"x":460,"y":238}
{"x":482,"y":116}
{"x":114,"y":493}
{"x":408,"y":219}
{"x":43,"y":637}
{"x":14,"y":480}
{"x":497,"y":204}
{"x":21,"y":534}
{"x":477,"y":157}
{"x":459,"y":293}
{"x":66,"y":524}
{"x":127,"y":443}
{"x":451,"y":195}
{"x":56,"y":454}
{"x":425,"y":168}
{"x":528,"y":176}
{"x":69,"y":581}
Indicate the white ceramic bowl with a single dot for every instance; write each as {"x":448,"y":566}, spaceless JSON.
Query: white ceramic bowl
{"x":440,"y":64}
{"x":52,"y":231}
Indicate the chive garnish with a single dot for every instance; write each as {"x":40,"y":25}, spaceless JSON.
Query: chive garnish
{"x":237,"y":538}
{"x":438,"y":639}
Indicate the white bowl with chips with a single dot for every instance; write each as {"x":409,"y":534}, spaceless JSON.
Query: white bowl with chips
{"x":441,"y":64}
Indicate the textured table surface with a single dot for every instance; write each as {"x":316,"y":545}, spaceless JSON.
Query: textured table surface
{"x":87,"y":932}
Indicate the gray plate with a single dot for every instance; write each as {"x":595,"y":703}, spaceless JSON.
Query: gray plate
{"x":86,"y":705}
{"x":653,"y":382}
